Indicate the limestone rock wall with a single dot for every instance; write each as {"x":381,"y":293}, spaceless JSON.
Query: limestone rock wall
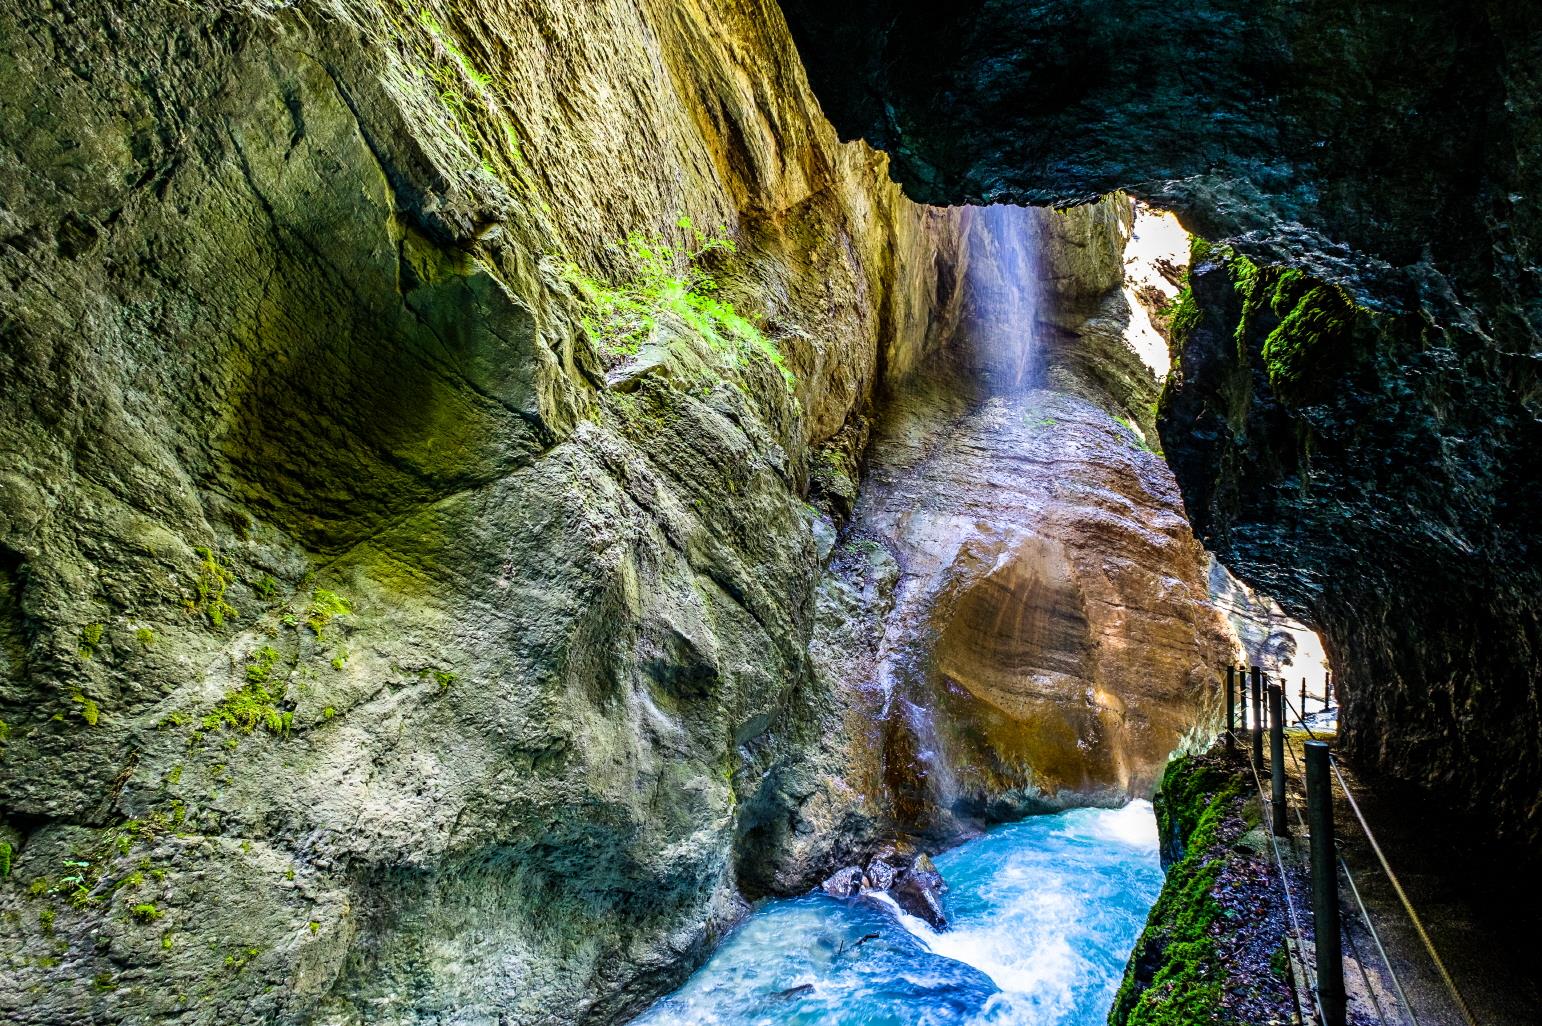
{"x":1018,"y":617}
{"x":363,"y":656}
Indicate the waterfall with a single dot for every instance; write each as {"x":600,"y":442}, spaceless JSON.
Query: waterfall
{"x":1006,"y":296}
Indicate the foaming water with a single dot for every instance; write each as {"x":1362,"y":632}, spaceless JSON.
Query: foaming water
{"x":1044,"y":914}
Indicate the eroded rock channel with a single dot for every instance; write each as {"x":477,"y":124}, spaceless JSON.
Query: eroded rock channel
{"x":491,"y":490}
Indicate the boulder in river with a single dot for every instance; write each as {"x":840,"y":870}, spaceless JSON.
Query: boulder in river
{"x":880,"y":874}
{"x":918,"y":890}
{"x":845,"y":883}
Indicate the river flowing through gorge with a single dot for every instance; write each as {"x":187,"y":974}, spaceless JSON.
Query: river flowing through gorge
{"x":501,"y":500}
{"x":1042,"y":916}
{"x":1011,"y":535}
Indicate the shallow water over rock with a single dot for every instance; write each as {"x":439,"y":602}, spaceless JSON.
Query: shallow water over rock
{"x":1044,"y":913}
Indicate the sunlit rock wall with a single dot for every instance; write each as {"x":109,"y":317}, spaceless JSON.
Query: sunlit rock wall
{"x":1018,"y":618}
{"x":363,"y":657}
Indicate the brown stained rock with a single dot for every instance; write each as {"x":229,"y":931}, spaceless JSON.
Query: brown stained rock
{"x":1049,"y":638}
{"x":1074,"y":643}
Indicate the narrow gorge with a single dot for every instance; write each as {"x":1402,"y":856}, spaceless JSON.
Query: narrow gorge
{"x":678,"y":511}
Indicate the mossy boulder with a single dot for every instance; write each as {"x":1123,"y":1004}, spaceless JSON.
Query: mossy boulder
{"x":1174,"y":977}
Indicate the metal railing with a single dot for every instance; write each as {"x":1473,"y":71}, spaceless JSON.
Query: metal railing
{"x":1325,"y":976}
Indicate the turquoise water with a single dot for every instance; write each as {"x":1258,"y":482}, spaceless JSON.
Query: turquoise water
{"x":1043,"y":916}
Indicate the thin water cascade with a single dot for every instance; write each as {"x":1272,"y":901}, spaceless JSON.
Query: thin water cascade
{"x":1044,"y":914}
{"x":1011,"y":289}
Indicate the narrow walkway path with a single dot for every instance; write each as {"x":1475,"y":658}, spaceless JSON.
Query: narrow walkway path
{"x":1479,"y":902}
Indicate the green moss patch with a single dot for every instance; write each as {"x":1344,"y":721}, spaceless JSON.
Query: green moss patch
{"x":325,"y":606}
{"x":210,"y":580}
{"x":1174,"y":976}
{"x":670,"y":279}
{"x":1315,"y":319}
{"x":257,"y":702}
{"x":91,"y":639}
{"x":1304,"y":330}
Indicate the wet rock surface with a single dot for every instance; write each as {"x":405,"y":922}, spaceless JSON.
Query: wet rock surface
{"x":918,"y":890}
{"x":916,"y":887}
{"x":846,"y":883}
{"x":1370,"y":478}
{"x":1018,"y":617}
{"x":1391,"y":150}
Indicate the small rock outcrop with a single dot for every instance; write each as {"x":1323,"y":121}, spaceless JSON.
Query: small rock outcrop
{"x":918,"y":890}
{"x":880,"y":874}
{"x":844,"y":883}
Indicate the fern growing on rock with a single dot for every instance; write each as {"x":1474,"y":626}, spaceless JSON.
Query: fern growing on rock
{"x":670,"y":280}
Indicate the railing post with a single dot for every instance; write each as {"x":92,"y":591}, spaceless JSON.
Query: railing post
{"x":1277,"y":756}
{"x":1231,"y":710}
{"x":1325,"y":884}
{"x":1258,"y":719}
{"x":1302,"y":711}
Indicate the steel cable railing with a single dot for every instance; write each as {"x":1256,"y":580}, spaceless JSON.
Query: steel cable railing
{"x":1397,"y":887}
{"x":1365,"y":916}
{"x":1354,"y":952}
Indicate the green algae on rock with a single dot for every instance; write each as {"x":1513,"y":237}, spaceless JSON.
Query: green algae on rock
{"x":1207,"y":953}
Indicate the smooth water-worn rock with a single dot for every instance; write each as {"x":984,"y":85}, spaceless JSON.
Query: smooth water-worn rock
{"x":1018,"y":618}
{"x":377,"y":645}
{"x":1389,"y":149}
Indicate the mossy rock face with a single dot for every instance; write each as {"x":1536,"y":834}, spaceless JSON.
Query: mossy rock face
{"x":1310,"y":329}
{"x":1174,"y":977}
{"x":437,"y":673}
